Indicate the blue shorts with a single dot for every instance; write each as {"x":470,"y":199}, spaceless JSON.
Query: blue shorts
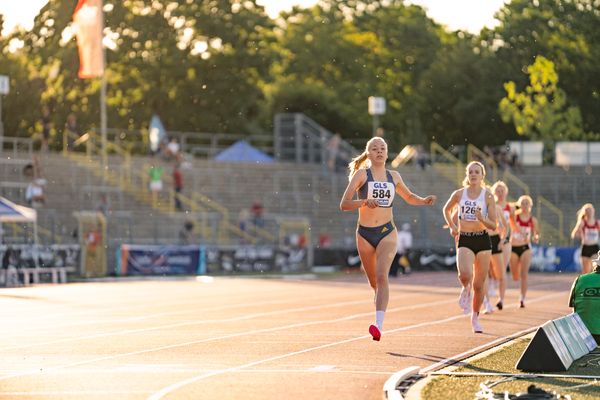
{"x":374,"y":234}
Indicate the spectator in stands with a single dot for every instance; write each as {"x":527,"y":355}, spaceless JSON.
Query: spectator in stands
{"x":515,"y":164}
{"x":476,"y":214}
{"x":587,"y":229}
{"x":524,"y":230}
{"x":71,"y":130}
{"x":173,"y":150}
{"x":258,"y":211}
{"x":104,"y":205}
{"x":34,"y":194}
{"x":585,"y":298}
{"x":333,"y":148}
{"x":243,"y":219}
{"x":46,"y":126}
{"x":156,"y":184}
{"x":404,"y":243}
{"x":177,"y":185}
{"x":422,"y":157}
{"x":376,"y":243}
{"x":324,"y":240}
{"x":186,"y":234}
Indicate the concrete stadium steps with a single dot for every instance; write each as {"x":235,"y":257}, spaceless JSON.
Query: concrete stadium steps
{"x":285,"y":189}
{"x":568,"y":189}
{"x":72,"y":187}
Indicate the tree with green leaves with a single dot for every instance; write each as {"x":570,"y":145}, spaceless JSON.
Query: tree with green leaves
{"x":541,"y":112}
{"x":565,"y":32}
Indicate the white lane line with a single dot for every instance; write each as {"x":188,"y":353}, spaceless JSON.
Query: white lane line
{"x":456,"y":358}
{"x":188,"y":323}
{"x":78,"y":393}
{"x":246,"y":333}
{"x":158,"y":395}
{"x":140,"y":318}
{"x":26,"y":314}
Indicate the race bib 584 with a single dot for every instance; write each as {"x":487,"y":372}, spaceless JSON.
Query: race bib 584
{"x":383,"y":192}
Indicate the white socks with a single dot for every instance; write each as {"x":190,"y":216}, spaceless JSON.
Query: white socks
{"x":379,"y":315}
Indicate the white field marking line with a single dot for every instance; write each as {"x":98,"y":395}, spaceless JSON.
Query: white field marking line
{"x":156,"y":315}
{"x":234,"y":319}
{"x":524,"y":375}
{"x":444,"y":362}
{"x":475,"y":350}
{"x":246,"y":333}
{"x":122,"y":372}
{"x":143,"y":304}
{"x":158,"y":395}
{"x":75,"y":393}
{"x":188,"y":323}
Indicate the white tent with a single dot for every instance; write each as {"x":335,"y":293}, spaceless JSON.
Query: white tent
{"x":11,"y":212}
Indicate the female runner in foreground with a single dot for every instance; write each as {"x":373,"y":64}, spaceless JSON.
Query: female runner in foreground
{"x":376,"y":233}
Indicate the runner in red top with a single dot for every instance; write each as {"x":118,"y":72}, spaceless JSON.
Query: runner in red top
{"x":524,"y":230}
{"x":587,"y":229}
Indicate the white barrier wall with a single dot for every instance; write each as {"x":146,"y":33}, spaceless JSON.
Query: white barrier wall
{"x":529,"y":153}
{"x":577,"y":153}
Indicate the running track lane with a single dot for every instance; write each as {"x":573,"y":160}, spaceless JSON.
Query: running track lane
{"x":241,"y":338}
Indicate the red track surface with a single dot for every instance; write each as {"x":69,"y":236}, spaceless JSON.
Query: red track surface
{"x":240,"y":338}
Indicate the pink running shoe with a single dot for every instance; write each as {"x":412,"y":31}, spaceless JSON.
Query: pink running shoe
{"x":374,"y":331}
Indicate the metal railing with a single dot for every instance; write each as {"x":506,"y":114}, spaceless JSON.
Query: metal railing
{"x":201,"y":144}
{"x":300,"y":139}
{"x":449,"y":165}
{"x":17,"y":146}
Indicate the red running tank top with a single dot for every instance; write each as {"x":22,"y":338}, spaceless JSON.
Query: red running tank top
{"x":524,"y":229}
{"x":590,"y":233}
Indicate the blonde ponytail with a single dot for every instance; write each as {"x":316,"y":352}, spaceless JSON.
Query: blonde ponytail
{"x":357,"y":163}
{"x":363,"y":158}
{"x":581,"y":213}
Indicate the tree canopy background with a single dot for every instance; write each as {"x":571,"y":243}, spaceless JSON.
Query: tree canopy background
{"x":226,"y":66}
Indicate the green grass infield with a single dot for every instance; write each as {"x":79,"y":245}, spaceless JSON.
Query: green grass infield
{"x":504,"y":361}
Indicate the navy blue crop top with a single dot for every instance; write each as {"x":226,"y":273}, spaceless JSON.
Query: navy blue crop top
{"x":382,"y":191}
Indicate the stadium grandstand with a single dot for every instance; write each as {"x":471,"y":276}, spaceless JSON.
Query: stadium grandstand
{"x":294,"y":185}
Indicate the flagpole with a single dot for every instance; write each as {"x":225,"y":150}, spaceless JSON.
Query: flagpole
{"x":103,"y":99}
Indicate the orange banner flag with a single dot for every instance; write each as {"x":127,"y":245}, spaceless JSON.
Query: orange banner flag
{"x":87,"y":22}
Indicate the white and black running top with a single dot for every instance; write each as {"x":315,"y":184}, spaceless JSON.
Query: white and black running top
{"x":467,"y":206}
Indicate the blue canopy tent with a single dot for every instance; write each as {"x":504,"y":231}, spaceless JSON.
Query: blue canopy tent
{"x":242,"y":151}
{"x":11,"y":212}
